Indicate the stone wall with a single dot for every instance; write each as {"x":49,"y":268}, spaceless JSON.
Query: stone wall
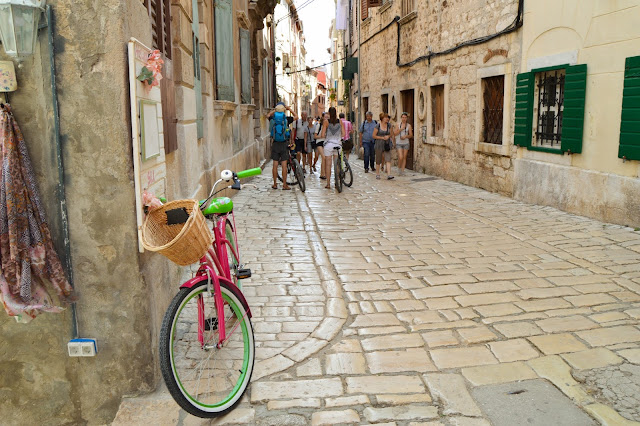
{"x":440,"y":25}
{"x":123,"y":294}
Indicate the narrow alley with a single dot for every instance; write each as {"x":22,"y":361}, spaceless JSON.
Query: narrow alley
{"x":422,"y":300}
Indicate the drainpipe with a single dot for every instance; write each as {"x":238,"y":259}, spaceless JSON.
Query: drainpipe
{"x":60,"y":192}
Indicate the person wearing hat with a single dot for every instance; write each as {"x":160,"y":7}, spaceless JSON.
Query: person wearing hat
{"x":280,"y":150}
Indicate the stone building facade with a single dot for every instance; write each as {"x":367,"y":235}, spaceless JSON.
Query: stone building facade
{"x":471,"y":74}
{"x":405,"y":66}
{"x":290,"y":54}
{"x":217,"y":124}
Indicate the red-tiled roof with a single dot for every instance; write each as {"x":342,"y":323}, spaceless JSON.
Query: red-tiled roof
{"x":322,"y":78}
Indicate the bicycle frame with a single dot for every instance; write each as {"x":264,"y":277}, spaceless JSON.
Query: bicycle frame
{"x":214,"y":268}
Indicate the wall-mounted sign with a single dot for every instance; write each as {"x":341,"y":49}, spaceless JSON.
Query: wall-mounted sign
{"x":149,"y":167}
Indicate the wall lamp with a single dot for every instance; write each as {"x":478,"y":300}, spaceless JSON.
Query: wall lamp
{"x":19,"y":20}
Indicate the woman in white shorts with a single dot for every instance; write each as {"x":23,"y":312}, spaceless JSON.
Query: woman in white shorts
{"x":333,"y":132}
{"x":404,"y":134}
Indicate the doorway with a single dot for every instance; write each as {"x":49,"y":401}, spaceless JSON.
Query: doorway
{"x":407,"y":106}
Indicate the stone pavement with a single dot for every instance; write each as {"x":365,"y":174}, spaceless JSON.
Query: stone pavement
{"x":395,"y":301}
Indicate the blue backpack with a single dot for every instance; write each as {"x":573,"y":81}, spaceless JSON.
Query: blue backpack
{"x":279,"y":128}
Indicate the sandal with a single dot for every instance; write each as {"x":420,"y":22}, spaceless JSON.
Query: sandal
{"x":327,"y":187}
{"x":377,"y":176}
{"x":286,"y":188}
{"x":390,"y":177}
{"x":274,"y":186}
{"x":323,"y":177}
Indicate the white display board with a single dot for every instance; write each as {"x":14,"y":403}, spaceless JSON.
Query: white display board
{"x":149,"y":165}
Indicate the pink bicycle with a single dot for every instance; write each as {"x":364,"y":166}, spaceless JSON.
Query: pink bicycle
{"x":207,"y":349}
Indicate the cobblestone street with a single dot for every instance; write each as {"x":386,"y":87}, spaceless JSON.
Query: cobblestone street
{"x":400,"y":301}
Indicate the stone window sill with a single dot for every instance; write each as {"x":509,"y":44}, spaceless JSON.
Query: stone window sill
{"x":436,"y":140}
{"x":221,"y":108}
{"x":247,"y":108}
{"x":385,"y":7}
{"x":366,"y":22}
{"x":408,"y":17}
{"x":492,"y":148}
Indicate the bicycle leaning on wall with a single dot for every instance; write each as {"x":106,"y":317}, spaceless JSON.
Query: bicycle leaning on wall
{"x":207,"y":348}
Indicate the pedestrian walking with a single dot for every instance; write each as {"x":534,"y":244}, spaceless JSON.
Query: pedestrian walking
{"x":310,"y":143}
{"x":280,"y":137}
{"x":383,"y":135}
{"x":299,"y":130}
{"x":333,"y":131}
{"x":347,"y":142}
{"x":404,"y":132}
{"x":367,"y":142}
{"x":320,"y":144}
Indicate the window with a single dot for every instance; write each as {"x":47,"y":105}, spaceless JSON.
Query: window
{"x":160,"y":13}
{"x":437,"y":110}
{"x":365,"y":106}
{"x":630,"y":124}
{"x":551,"y":101}
{"x":385,"y":103}
{"x":493,"y":109}
{"x":267,"y":85}
{"x":549,"y":106}
{"x":224,"y":50}
{"x":408,"y":6}
{"x":245,"y":66}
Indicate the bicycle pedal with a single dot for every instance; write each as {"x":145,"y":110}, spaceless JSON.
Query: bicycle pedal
{"x":244,"y":273}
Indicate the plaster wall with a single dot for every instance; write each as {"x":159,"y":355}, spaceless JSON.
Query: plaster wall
{"x":441,"y":25}
{"x":601,"y":34}
{"x":122,"y":294}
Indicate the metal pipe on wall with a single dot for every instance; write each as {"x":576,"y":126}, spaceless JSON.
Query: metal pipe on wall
{"x":61,"y":191}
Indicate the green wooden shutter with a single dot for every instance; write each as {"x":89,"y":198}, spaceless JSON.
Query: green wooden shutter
{"x":245,"y":65}
{"x":197,"y":85}
{"x":525,"y":84}
{"x":225,"y":86}
{"x":630,"y":124}
{"x":575,"y":88}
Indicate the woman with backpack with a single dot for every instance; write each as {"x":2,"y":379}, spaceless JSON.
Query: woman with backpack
{"x":333,"y":132}
{"x":383,"y":135}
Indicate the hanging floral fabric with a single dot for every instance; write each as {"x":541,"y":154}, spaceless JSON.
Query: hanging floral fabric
{"x":27,"y":255}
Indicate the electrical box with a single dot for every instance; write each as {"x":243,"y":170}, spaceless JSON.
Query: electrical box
{"x":82,"y":347}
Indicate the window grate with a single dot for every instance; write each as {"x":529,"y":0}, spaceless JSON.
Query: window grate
{"x":493,"y":112}
{"x":550,"y":108}
{"x":408,"y":6}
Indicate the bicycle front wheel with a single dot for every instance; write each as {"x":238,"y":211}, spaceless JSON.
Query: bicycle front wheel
{"x":204,"y":379}
{"x":300,"y":176}
{"x":337,"y":168}
{"x":348,"y":174}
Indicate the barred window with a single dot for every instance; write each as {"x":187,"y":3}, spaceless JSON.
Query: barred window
{"x":493,"y":109}
{"x":549,"y":108}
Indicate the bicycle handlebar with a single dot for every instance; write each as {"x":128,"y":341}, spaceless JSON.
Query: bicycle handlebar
{"x":248,"y":173}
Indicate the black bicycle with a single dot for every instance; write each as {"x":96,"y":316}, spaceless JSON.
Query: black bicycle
{"x":342,"y":170}
{"x":295,"y":174}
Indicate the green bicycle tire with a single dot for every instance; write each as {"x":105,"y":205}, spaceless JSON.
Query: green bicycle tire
{"x":236,"y":358}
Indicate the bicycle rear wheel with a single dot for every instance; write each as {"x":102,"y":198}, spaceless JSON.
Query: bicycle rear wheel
{"x":233,"y":261}
{"x":206,"y":381}
{"x":291,"y":178}
{"x":348,"y":174}
{"x":337,"y":168}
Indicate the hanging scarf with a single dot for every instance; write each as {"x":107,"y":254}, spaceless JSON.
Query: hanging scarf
{"x":27,"y":256}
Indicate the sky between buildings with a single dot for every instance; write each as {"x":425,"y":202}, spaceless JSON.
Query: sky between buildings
{"x":316,"y":19}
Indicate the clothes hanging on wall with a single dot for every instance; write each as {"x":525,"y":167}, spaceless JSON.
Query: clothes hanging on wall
{"x":27,"y":255}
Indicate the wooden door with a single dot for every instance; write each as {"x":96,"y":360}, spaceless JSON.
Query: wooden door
{"x":407,"y":106}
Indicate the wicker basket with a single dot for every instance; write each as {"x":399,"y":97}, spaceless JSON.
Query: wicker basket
{"x":183,"y":243}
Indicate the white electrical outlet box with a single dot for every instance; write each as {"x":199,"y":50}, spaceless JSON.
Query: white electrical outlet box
{"x":82,"y":347}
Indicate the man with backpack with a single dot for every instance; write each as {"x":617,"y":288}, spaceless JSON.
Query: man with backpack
{"x":299,"y":131}
{"x":280,"y":134}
